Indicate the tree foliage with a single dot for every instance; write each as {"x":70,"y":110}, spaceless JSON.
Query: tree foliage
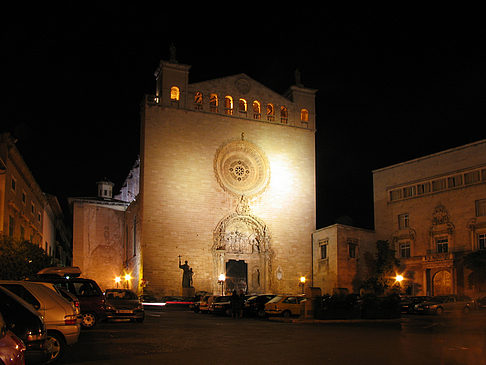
{"x":20,"y":259}
{"x":382,"y":268}
{"x":476,"y":262}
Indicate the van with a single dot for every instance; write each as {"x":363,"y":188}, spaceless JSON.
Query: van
{"x":59,"y":316}
{"x":22,"y":319}
{"x":88,"y":292}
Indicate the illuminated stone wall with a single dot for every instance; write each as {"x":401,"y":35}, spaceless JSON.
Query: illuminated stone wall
{"x":190,"y":208}
{"x":98,"y":241}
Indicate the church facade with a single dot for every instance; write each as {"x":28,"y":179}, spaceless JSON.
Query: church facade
{"x":226,"y":183}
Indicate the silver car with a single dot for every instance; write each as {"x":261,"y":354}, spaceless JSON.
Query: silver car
{"x":123,"y":304}
{"x":60,"y":318}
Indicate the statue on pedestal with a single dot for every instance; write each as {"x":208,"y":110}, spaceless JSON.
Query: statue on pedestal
{"x":186,"y":275}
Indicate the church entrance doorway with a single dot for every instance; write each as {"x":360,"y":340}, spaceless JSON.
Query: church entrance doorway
{"x":236,"y":276}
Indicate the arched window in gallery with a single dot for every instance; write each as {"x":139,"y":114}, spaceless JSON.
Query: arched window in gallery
{"x":304,"y":115}
{"x":242,"y":106}
{"x":228,"y":105}
{"x":198,"y":100}
{"x":256,"y":110}
{"x":213,"y":103}
{"x":174,"y":93}
{"x":270,"y":113}
{"x":284,"y":115}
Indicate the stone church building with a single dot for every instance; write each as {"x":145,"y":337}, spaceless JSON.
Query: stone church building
{"x":225,"y":180}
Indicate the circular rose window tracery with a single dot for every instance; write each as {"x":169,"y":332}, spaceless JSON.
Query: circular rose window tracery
{"x":241,"y":168}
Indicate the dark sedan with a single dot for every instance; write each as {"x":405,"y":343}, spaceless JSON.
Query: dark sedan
{"x":123,"y":304}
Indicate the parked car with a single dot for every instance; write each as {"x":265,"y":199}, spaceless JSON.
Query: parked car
{"x":221,"y":305}
{"x":123,"y":304}
{"x":176,"y":302}
{"x":407,"y":304}
{"x":71,"y":298}
{"x":255,"y":305}
{"x":205,"y":302}
{"x":481,"y":303}
{"x":150,"y":302}
{"x":285,"y":305}
{"x":59,"y":316}
{"x":88,"y":292}
{"x":11,"y":347}
{"x":27,"y":324}
{"x":445,"y":303}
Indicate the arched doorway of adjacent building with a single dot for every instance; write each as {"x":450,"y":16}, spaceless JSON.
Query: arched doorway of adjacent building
{"x":442,"y":283}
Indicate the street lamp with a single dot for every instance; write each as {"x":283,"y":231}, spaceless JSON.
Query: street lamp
{"x":221,"y":280}
{"x":117,"y":281}
{"x":302,"y":283}
{"x":128,"y":277}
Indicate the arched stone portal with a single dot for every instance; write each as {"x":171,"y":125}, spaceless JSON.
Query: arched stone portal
{"x":243,"y":237}
{"x":442,"y":283}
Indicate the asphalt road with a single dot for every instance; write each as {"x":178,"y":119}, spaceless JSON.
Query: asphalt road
{"x":183,"y":337}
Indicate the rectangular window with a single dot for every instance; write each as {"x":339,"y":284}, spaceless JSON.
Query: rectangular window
{"x":482,"y":241}
{"x":454,"y":181}
{"x":352,"y":249}
{"x":481,"y":208}
{"x":13,"y":184}
{"x":438,"y":185}
{"x":24,"y":197}
{"x":11,"y":226}
{"x":471,"y":177}
{"x":405,"y":249}
{"x":395,"y":195}
{"x":403,"y":221}
{"x":409,"y":191}
{"x":323,"y":249}
{"x":423,"y":188}
{"x":483,"y":175}
{"x":32,"y":208}
{"x":442,"y":244}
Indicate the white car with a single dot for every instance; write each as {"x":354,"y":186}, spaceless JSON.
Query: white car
{"x":60,"y":317}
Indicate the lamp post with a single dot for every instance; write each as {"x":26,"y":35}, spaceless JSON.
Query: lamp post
{"x":302,"y":283}
{"x":221,"y":280}
{"x":128,"y":277}
{"x":117,"y":281}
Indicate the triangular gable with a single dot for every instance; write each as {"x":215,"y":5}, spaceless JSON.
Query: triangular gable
{"x":239,"y":85}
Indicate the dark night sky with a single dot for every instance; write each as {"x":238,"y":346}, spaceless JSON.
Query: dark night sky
{"x":394,"y":84}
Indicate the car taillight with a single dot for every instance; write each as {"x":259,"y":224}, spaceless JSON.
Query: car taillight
{"x":70,"y":320}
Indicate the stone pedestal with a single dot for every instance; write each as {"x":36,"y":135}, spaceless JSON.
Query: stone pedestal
{"x":188,"y":292}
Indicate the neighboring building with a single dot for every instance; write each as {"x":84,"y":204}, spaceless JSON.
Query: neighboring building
{"x":433,"y":210}
{"x":339,"y":257}
{"x":226,"y":182}
{"x":26,"y":213}
{"x":99,"y":234}
{"x":57,"y":237}
{"x":21,"y":199}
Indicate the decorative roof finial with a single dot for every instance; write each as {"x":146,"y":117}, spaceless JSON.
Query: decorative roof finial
{"x":298,"y":80}
{"x":172,"y":51}
{"x":242,"y":136}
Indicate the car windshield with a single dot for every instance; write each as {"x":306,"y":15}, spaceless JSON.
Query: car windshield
{"x":121,"y":295}
{"x":275,"y":299}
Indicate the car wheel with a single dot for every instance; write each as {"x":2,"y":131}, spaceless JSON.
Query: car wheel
{"x":55,"y":346}
{"x":139,"y":320}
{"x":440,"y":311}
{"x":88,"y":320}
{"x":286,"y":314}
